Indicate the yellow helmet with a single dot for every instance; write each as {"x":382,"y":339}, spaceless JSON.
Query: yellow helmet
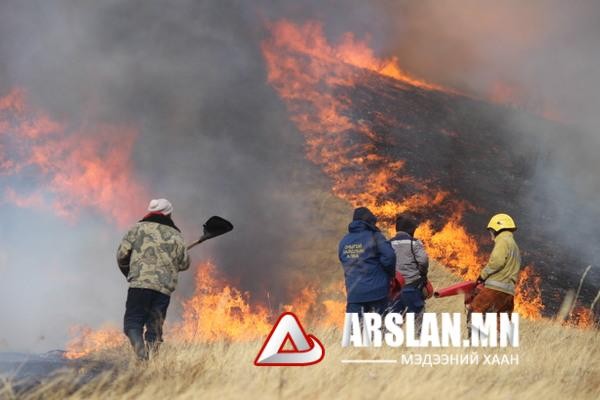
{"x":500,"y":222}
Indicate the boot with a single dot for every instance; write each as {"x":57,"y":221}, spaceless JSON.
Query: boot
{"x":137,"y":342}
{"x":153,"y":349}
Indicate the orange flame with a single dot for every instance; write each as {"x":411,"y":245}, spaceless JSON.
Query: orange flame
{"x":309,"y":40}
{"x":323,"y":306}
{"x":582,"y":317}
{"x":302,"y":66}
{"x":85,"y":341}
{"x":76,"y":167}
{"x":306,"y":70}
{"x":453,"y":245}
{"x":219,"y":311}
{"x":528,"y":297}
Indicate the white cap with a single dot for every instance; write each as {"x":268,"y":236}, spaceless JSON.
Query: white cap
{"x":163,"y":206}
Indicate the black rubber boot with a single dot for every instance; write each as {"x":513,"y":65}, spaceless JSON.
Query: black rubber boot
{"x":137,"y":342}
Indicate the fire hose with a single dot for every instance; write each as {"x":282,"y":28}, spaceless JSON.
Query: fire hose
{"x":468,"y":288}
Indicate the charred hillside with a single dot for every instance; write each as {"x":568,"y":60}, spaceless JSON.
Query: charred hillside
{"x":395,"y":143}
{"x":479,"y":153}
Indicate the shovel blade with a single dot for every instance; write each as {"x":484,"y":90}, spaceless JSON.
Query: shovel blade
{"x":216,"y":226}
{"x":213,"y":227}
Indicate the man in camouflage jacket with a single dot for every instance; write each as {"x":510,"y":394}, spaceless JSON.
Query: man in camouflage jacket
{"x":151,"y":255}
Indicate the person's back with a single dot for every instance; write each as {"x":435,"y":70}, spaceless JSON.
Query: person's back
{"x":151,"y":255}
{"x":413,"y":263}
{"x":156,"y":252}
{"x":368,"y":261}
{"x":411,"y":259}
{"x":501,"y":272}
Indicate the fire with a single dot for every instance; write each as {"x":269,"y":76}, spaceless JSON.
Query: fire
{"x":304,"y":302}
{"x":453,"y":245}
{"x":74,"y":166}
{"x":528,"y":298}
{"x":334,"y":303}
{"x":85,"y":341}
{"x":218,"y":311}
{"x":309,"y":40}
{"x":323,"y":306}
{"x":582,"y":317}
{"x":308,"y":72}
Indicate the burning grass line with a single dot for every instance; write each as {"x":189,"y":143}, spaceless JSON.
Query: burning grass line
{"x":556,"y":361}
{"x":579,"y":289}
{"x":595,"y":301}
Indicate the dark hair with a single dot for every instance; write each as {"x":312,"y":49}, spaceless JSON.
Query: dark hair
{"x":364,"y":214}
{"x":406,"y":223}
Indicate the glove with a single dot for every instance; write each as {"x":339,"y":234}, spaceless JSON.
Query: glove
{"x":480,"y":281}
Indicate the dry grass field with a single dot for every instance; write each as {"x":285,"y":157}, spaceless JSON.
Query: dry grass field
{"x":555,"y":362}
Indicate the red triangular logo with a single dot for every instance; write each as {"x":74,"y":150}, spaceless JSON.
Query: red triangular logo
{"x":288,"y":344}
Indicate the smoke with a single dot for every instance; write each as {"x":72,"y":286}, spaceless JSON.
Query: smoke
{"x":214,"y":138}
{"x":543,"y":53}
{"x":542,"y":57}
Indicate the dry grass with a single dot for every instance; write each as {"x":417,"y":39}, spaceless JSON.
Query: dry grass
{"x":556,"y":362}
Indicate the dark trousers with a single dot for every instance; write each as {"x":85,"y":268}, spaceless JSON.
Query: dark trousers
{"x":409,"y":300}
{"x":376,"y":306}
{"x":145,"y":308}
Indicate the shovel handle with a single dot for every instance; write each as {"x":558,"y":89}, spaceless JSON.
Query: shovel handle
{"x":204,"y":237}
{"x":197,"y":242}
{"x":215,"y":226}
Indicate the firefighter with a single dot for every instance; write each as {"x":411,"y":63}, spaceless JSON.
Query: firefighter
{"x":368,"y":261}
{"x":151,"y":255}
{"x":502,"y":270}
{"x":413,"y":263}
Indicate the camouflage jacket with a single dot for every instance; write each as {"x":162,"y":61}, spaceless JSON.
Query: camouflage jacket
{"x":151,"y":255}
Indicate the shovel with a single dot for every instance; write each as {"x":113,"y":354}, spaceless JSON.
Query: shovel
{"x":213,"y":227}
